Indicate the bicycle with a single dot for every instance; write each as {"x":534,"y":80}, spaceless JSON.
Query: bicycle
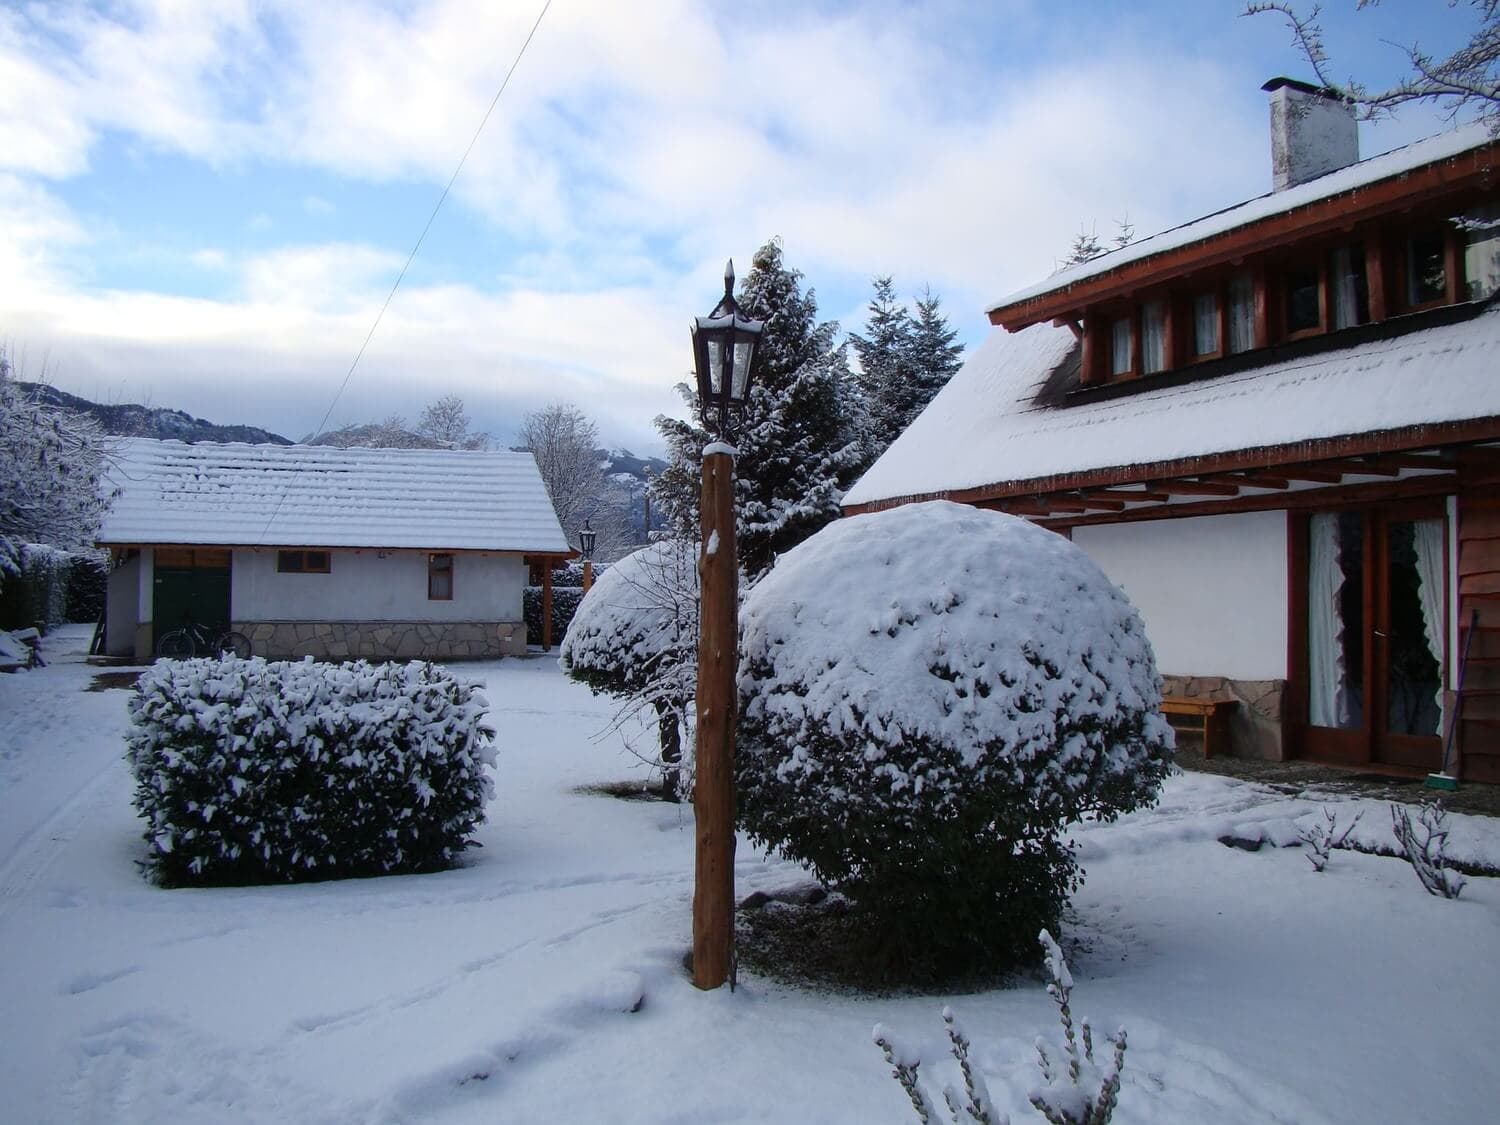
{"x":191,"y":639}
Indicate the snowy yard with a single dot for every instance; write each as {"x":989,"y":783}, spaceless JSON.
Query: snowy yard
{"x":544,"y":979}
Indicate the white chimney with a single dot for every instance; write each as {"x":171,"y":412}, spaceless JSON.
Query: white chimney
{"x":1313,"y":132}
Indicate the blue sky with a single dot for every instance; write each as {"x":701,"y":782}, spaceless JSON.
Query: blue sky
{"x":205,"y":204}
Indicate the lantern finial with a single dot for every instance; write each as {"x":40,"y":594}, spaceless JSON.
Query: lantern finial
{"x":729,"y":277}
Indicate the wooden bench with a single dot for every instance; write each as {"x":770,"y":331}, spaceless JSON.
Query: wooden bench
{"x":1212,"y":717}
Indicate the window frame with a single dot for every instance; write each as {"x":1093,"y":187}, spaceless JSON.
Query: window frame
{"x":300,"y":561}
{"x":440,"y":564}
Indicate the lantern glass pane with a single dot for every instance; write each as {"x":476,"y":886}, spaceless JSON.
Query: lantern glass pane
{"x":715,"y":366}
{"x":741,"y":370}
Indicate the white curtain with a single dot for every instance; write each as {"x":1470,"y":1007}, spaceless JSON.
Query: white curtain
{"x":1345,"y":296}
{"x":1153,"y":337}
{"x":1325,"y":624}
{"x":1428,"y":538}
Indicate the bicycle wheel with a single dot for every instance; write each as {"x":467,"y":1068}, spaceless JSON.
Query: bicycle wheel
{"x":234,"y":644}
{"x":176,"y":645}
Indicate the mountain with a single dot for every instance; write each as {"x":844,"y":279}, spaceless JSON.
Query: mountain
{"x":133,"y":420}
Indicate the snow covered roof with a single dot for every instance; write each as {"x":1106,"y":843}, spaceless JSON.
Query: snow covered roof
{"x":987,"y":427}
{"x":1430,"y":150}
{"x":317,"y":496}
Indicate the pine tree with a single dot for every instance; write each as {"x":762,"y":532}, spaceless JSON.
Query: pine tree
{"x":885,"y":366}
{"x":797,"y":440}
{"x":935,"y":356}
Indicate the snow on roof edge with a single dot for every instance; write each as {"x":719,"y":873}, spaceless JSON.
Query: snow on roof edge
{"x":1386,"y":165}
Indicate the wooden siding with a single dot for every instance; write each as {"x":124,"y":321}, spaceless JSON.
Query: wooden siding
{"x":1479,"y":592}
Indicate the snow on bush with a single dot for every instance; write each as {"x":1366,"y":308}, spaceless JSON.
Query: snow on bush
{"x":635,"y":636}
{"x":249,"y":772}
{"x":929,"y":696}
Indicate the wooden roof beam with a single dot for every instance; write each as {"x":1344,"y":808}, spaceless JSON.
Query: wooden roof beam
{"x":1129,"y":495}
{"x":1317,"y":474}
{"x":1248,"y":480}
{"x":1194,"y":488}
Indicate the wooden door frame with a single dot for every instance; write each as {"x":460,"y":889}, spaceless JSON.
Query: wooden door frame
{"x":1358,"y":747}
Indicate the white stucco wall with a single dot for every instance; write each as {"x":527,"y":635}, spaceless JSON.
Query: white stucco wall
{"x":1212,"y":589}
{"x":362,"y":586}
{"x":122,"y":608}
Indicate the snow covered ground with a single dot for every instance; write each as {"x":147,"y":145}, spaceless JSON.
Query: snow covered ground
{"x":543,"y":980}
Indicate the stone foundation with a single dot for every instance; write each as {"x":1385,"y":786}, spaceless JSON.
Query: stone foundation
{"x":385,"y":640}
{"x":1255,"y":729}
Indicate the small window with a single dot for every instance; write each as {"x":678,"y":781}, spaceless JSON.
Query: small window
{"x":1481,"y":230}
{"x":302,"y":562}
{"x":1120,"y":333}
{"x":1349,"y":295}
{"x":440,"y":578}
{"x":1302,"y":294}
{"x":1206,"y":324}
{"x":1241,"y":313}
{"x":1426,"y":275}
{"x":1153,"y":337}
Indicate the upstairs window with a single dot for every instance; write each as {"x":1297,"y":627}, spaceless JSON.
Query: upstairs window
{"x":1153,"y":337}
{"x":1426,"y":272}
{"x":1241,"y":313}
{"x":1303,"y":310}
{"x":440,"y":578}
{"x":1121,"y":341}
{"x":1481,"y":231}
{"x":302,"y":562}
{"x":1206,"y":324}
{"x":1349,"y":294}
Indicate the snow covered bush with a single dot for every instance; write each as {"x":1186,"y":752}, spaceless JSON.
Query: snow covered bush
{"x":929,"y":696}
{"x":565,"y":602}
{"x":250,"y":772}
{"x":635,"y":636}
{"x":38,"y":593}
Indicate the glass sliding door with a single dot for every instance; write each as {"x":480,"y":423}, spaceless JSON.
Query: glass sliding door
{"x":1374,"y":612}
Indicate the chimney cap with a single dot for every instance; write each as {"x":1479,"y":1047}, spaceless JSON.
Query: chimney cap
{"x":1304,"y":87}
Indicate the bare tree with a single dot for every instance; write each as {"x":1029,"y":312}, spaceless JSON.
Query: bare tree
{"x":445,"y":424}
{"x":1469,"y":78}
{"x":565,"y":444}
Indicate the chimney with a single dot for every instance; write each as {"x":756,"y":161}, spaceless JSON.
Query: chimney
{"x":1313,"y":132}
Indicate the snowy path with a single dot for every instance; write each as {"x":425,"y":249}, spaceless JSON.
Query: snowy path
{"x":543,"y":980}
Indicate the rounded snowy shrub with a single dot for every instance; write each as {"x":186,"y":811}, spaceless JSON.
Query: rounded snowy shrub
{"x":635,"y":636}
{"x":255,"y":772}
{"x":929,"y":696}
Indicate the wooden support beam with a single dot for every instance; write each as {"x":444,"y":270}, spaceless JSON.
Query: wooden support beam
{"x":1103,"y":505}
{"x":1194,"y":488}
{"x":1318,"y":475}
{"x":1129,"y":495}
{"x":1399,"y":461}
{"x":1248,"y":480}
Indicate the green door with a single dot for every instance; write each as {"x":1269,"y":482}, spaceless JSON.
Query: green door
{"x":191,"y":588}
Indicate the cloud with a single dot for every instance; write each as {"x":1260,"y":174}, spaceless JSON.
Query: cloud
{"x":318,"y":206}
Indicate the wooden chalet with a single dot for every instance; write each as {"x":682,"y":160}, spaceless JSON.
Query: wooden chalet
{"x":1278,"y":428}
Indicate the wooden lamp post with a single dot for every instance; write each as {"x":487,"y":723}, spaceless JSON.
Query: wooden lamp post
{"x":724,"y":354}
{"x":586,"y":540}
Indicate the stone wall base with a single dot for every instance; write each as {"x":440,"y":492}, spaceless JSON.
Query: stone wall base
{"x":1255,"y":726}
{"x":385,"y":640}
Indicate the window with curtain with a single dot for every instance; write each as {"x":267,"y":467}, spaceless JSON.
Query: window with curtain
{"x":1120,"y":346}
{"x":1481,"y":229}
{"x":1349,"y":295}
{"x":1241,"y":313}
{"x":440,"y":578}
{"x":1153,"y":336}
{"x":1205,"y":324}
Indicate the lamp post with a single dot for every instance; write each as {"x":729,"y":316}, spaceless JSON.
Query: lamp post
{"x":586,"y":540}
{"x":724,"y":354}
